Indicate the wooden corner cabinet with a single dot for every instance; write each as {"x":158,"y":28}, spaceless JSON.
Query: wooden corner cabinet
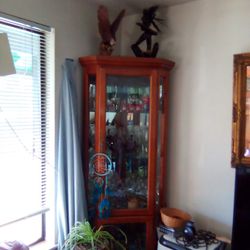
{"x":125,"y":104}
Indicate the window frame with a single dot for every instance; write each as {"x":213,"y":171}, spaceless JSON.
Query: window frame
{"x":13,"y":21}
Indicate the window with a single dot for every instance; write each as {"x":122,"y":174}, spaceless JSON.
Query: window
{"x":27,"y":134}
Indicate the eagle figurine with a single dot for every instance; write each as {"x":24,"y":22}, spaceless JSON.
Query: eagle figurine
{"x":107,"y":30}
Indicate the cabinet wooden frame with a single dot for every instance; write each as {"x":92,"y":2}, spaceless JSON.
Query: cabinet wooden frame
{"x":241,"y":62}
{"x":155,"y":70}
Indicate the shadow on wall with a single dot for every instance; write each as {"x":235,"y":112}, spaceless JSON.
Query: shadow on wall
{"x":211,"y":225}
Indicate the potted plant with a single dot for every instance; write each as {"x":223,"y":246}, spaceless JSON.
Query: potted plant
{"x":83,"y":237}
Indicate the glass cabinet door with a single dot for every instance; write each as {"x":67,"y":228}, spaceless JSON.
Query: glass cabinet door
{"x":127,"y":127}
{"x":160,"y":137}
{"x":92,"y":101}
{"x":92,"y":188}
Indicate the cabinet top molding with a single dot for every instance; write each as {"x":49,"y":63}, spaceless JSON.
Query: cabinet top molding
{"x":121,"y":61}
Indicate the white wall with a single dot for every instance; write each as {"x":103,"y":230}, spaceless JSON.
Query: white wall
{"x":201,"y":37}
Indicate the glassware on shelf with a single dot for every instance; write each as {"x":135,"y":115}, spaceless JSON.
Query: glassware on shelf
{"x":127,"y":118}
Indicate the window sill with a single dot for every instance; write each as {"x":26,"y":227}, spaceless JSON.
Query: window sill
{"x":45,"y":245}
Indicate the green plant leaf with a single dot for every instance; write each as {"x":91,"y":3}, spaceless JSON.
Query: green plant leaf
{"x":83,"y":234}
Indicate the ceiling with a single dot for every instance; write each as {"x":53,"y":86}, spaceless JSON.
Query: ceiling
{"x":136,"y":6}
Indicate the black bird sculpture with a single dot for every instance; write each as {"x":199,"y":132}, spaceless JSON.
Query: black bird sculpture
{"x":149,"y":27}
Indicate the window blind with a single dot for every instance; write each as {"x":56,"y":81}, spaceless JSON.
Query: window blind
{"x":26,"y":123}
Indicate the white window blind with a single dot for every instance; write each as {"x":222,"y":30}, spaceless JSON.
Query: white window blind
{"x":26,"y":130}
